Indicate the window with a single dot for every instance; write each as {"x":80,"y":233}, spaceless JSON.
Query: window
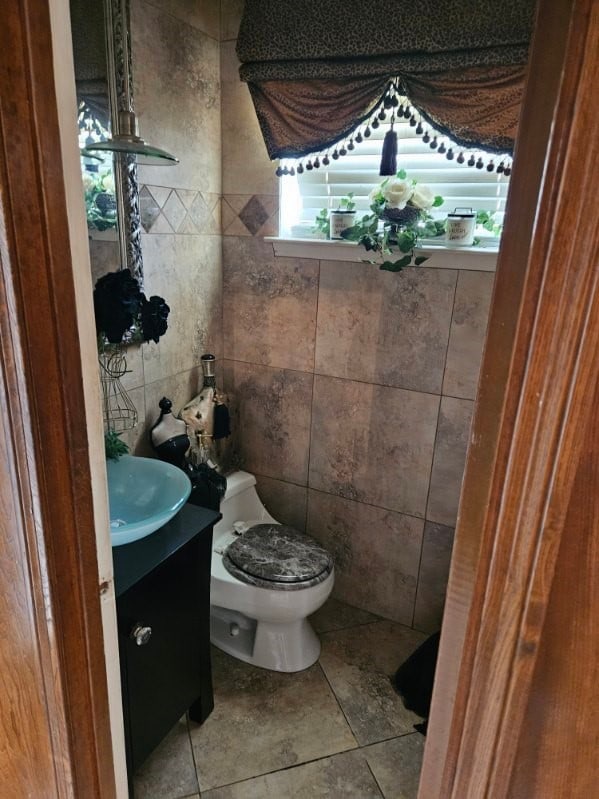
{"x":303,"y":196}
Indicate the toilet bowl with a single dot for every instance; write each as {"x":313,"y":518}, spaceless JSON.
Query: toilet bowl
{"x":266,"y":580}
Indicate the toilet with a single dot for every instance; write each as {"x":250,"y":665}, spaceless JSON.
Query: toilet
{"x":267,"y":578}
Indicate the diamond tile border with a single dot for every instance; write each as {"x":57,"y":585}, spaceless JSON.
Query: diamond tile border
{"x":181,"y":211}
{"x":250,"y":215}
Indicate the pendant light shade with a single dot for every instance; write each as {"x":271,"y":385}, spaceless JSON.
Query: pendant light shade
{"x":128,"y":141}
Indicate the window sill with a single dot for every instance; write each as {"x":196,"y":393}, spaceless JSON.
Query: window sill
{"x":476,"y":259}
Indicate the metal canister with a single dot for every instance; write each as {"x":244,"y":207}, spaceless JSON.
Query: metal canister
{"x":459,"y":229}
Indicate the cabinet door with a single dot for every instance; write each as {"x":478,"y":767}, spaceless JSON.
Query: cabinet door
{"x":162,"y":678}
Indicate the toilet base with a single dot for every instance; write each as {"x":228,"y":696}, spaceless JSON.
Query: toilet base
{"x":291,"y":646}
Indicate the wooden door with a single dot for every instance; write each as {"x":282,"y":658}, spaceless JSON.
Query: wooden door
{"x":516,"y":705}
{"x":54,"y":732}
{"x":522,"y":603}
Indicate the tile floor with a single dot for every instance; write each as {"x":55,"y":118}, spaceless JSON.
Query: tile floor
{"x":336,"y":730}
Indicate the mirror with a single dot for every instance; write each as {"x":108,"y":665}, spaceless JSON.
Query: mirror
{"x":104,"y":88}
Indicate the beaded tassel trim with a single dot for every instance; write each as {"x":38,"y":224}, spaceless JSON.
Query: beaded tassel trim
{"x":398,"y":107}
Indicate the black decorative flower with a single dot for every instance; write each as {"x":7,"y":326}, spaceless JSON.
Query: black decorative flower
{"x":154,"y":313}
{"x":121,"y":307}
{"x":117,"y":302}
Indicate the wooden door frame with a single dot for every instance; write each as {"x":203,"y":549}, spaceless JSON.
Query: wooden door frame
{"x":538,"y":369}
{"x":539,"y":373}
{"x":55,"y":731}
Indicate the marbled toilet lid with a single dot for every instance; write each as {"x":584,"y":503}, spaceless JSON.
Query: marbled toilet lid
{"x":275,"y":553}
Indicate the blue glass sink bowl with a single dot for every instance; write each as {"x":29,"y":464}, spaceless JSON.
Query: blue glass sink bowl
{"x":143,"y":495}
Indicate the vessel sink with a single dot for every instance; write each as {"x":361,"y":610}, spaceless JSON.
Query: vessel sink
{"x":143,"y":494}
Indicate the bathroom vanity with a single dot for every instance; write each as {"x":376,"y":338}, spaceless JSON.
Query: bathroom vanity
{"x":162,"y":587}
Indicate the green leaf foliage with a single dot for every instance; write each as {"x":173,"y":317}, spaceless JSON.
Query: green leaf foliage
{"x":113,"y":446}
{"x":396,"y":266}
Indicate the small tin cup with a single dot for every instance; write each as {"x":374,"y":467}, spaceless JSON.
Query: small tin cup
{"x":340,"y":221}
{"x":460,"y":226}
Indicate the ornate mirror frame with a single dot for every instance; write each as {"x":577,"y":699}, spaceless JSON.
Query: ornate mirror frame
{"x":120,"y":91}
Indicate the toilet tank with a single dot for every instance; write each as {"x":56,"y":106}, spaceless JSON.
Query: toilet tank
{"x":241,"y":502}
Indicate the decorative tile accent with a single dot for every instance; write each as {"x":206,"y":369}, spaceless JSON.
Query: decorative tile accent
{"x":265,"y":720}
{"x":344,"y":775}
{"x":376,"y":553}
{"x":372,"y":444}
{"x":384,"y":328}
{"x":286,"y":502}
{"x":432,"y":580}
{"x":161,"y":225}
{"x":253,"y":215}
{"x":468,"y":328}
{"x":238,"y":201}
{"x":187,"y":226}
{"x":187,"y":196}
{"x":358,"y":663}
{"x":269,"y":305}
{"x":149,"y":208}
{"x":450,"y":456}
{"x":174,"y":211}
{"x":202,"y":215}
{"x":272,"y":418}
{"x":160,"y":194}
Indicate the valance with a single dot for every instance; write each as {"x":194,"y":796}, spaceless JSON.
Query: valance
{"x":316,"y":70}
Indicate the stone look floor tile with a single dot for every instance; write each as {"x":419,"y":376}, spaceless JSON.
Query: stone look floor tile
{"x":336,"y":615}
{"x":359,"y":663}
{"x":432,"y":580}
{"x":384,"y":328}
{"x":376,"y":553}
{"x":345,"y":775}
{"x":169,"y":772}
{"x":264,"y":721}
{"x":396,"y":765}
{"x":372,"y":443}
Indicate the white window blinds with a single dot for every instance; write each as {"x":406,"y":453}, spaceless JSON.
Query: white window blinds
{"x":304,"y":195}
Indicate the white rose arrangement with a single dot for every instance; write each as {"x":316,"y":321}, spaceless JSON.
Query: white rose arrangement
{"x":399,"y":216}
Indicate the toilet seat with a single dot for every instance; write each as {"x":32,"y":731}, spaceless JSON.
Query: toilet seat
{"x":278,"y":557}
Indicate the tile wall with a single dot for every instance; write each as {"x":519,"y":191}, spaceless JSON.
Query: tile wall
{"x":176,"y":68}
{"x":354,"y":388}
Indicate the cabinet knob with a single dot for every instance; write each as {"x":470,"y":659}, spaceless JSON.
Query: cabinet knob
{"x":140,"y":634}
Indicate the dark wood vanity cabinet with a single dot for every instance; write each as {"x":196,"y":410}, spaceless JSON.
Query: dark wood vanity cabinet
{"x":163,"y":609}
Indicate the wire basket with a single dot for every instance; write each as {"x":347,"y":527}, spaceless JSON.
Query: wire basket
{"x":118,"y":411}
